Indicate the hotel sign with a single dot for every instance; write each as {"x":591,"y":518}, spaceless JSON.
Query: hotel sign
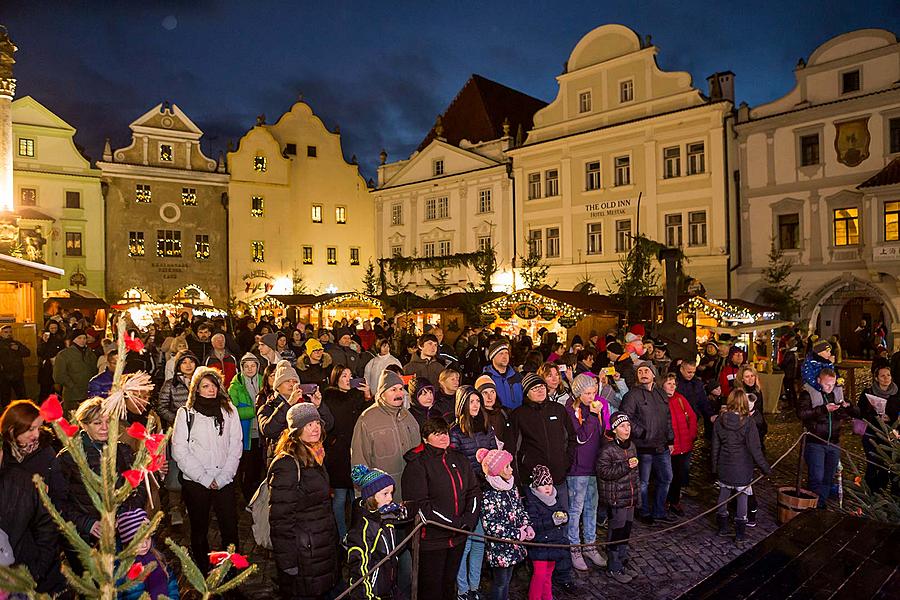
{"x":886,"y":253}
{"x":607,"y":208}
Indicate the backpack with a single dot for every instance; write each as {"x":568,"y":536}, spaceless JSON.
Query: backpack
{"x":258,"y":507}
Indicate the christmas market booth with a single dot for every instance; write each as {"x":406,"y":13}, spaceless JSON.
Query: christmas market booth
{"x":563,"y":312}
{"x":321,"y":310}
{"x":67,"y":301}
{"x":144,"y":309}
{"x":451,"y":312}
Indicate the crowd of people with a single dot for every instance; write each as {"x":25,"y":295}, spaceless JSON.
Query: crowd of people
{"x":352,"y":431}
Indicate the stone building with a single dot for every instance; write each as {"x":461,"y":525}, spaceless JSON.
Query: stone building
{"x":453,"y":195}
{"x":820,"y":179}
{"x":300,"y":216}
{"x":166,"y":206}
{"x":625,"y":148}
{"x":57,"y":199}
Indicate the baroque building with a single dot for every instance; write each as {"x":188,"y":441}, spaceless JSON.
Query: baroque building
{"x":453,"y":195}
{"x":166,"y":205}
{"x":820,"y":179}
{"x":625,"y":149}
{"x":300,"y":217}
{"x":57,"y":199}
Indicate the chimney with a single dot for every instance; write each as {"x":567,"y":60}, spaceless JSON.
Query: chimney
{"x":721,"y":86}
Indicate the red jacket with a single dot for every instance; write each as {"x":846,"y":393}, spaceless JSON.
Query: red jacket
{"x":727,"y":378}
{"x":684,"y":423}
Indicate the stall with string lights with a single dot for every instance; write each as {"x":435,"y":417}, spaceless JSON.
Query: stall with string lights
{"x":143,"y":309}
{"x":321,"y":310}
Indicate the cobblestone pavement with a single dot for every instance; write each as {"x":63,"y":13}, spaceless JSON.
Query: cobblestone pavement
{"x":669,"y":564}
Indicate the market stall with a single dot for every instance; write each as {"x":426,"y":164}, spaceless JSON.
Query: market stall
{"x":143,"y":309}
{"x":565,"y":313}
{"x":450,"y":312}
{"x":66,"y":301}
{"x":321,"y":310}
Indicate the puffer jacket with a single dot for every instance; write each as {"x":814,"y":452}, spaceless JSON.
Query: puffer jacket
{"x":509,"y":386}
{"x":440,"y":408}
{"x":318,"y":373}
{"x":588,"y":435}
{"x":816,"y":418}
{"x":272,"y":417}
{"x":540,"y":517}
{"x":468,"y":445}
{"x":502,"y":515}
{"x":441,"y":486}
{"x":540,"y":434}
{"x":811,"y":367}
{"x":651,"y":422}
{"x":368,"y":542}
{"x":346,"y":408}
{"x":245,"y":405}
{"x":68,"y":492}
{"x":381,"y":436}
{"x":735,"y":449}
{"x":302,"y":525}
{"x":174,"y":392}
{"x":203,"y":452}
{"x":618,"y":484}
{"x":684,"y":423}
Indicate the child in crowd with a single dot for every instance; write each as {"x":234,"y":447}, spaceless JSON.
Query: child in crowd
{"x":735,"y":449}
{"x":373,"y":535}
{"x":160,"y":582}
{"x":619,"y":486}
{"x":547,"y":515}
{"x":714,"y":395}
{"x":503,"y":516}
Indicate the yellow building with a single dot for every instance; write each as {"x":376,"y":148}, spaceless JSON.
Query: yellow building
{"x":621,"y":129}
{"x":57,"y":198}
{"x":297,"y":210}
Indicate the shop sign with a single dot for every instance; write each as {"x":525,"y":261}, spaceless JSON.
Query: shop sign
{"x":886,"y":253}
{"x":505,"y":314}
{"x":567,"y":322}
{"x":527,"y":310}
{"x":548,"y":315}
{"x":607,"y":208}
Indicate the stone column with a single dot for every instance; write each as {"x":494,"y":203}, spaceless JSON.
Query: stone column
{"x":7,"y":92}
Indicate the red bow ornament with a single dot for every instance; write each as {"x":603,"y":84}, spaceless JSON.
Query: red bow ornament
{"x":134,"y":343}
{"x":67,"y":427}
{"x":151,"y":441}
{"x":135,"y":571}
{"x":51,"y":409}
{"x":240,"y":562}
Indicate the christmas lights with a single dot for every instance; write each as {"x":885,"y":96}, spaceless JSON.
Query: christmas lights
{"x":722,"y":311}
{"x":349,"y":297}
{"x":544,"y":307}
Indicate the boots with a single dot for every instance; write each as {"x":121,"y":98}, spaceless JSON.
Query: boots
{"x":623,"y":556}
{"x":722,"y":522}
{"x":578,"y":560}
{"x":175,"y":517}
{"x":740,"y":530}
{"x":593,"y":555}
{"x":615,"y":570}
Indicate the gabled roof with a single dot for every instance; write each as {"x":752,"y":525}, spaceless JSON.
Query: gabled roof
{"x":479,"y":109}
{"x":166,"y":117}
{"x":890,"y":175}
{"x":37,"y":115}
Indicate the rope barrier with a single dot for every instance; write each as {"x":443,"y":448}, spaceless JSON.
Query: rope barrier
{"x":852,"y":454}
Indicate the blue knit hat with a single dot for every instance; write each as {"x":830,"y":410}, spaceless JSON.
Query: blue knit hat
{"x":370,"y":481}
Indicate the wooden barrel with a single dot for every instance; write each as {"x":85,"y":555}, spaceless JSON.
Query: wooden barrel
{"x":791,"y":503}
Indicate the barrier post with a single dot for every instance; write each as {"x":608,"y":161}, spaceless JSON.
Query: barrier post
{"x":414,"y":568}
{"x":800,"y":463}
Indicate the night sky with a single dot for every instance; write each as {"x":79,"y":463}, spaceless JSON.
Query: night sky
{"x":381,"y":70}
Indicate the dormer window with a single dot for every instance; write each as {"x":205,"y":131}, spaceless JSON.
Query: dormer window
{"x":626,"y":91}
{"x":437,"y":167}
{"x":165,"y":152}
{"x":584,"y":102}
{"x":259,"y":164}
{"x":850,"y":81}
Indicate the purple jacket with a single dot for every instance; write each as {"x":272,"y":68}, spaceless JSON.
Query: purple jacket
{"x":589,"y":433}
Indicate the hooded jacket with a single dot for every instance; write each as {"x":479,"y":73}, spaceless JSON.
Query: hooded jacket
{"x":728,"y":374}
{"x":381,"y":436}
{"x":441,"y":486}
{"x":589,"y":433}
{"x":651,"y":421}
{"x":370,"y":540}
{"x":315,"y":373}
{"x":509,"y":386}
{"x":441,"y":407}
{"x":174,"y":393}
{"x":540,"y":517}
{"x":541,"y":433}
{"x":811,"y":367}
{"x":736,"y":448}
{"x":245,"y":405}
{"x":618,"y":484}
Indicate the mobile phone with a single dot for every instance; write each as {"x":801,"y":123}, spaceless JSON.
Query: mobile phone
{"x":563,"y":368}
{"x":308,"y":389}
{"x":357,"y":382}
{"x":610,"y":371}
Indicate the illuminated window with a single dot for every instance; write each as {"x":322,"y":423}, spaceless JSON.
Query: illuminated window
{"x":892,"y":221}
{"x":258,"y":252}
{"x":331,"y":255}
{"x":592,"y":175}
{"x":673,"y":230}
{"x":354,"y":256}
{"x":168,"y":243}
{"x":201,"y":247}
{"x":485,"y":203}
{"x":672,"y":160}
{"x":696,"y":159}
{"x":623,"y":170}
{"x":594,"y":238}
{"x":73,"y":243}
{"x":552,"y":242}
{"x":846,"y":226}
{"x":73,"y":199}
{"x":316,"y":213}
{"x":340,"y":214}
{"x":697,"y":228}
{"x":188,"y":196}
{"x":551,"y":182}
{"x":584,"y":102}
{"x":626,"y":91}
{"x":534,"y":186}
{"x":142,"y":192}
{"x":259,"y":164}
{"x":135,"y":243}
{"x":26,"y":147}
{"x":396,"y":214}
{"x":165,"y":152}
{"x":256,"y":206}
{"x":28,"y":197}
{"x":307,"y":255}
{"x":623,"y":235}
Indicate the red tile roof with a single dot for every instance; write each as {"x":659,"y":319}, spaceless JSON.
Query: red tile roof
{"x":477,"y":112}
{"x":890,"y":175}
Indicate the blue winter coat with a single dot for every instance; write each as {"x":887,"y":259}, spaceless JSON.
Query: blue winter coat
{"x":509,"y":386}
{"x":99,"y":385}
{"x":468,"y":445}
{"x":540,"y":516}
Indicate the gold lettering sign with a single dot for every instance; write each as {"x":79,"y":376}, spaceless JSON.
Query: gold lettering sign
{"x":851,"y":141}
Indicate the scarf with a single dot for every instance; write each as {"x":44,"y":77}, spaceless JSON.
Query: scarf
{"x":251,"y":384}
{"x":500,"y":484}
{"x":20,"y":453}
{"x":884,"y":393}
{"x":548,"y":499}
{"x":210,"y":407}
{"x":318,"y":451}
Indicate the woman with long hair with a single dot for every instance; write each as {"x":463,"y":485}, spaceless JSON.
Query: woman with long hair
{"x":557,"y":388}
{"x":301,"y":519}
{"x":27,"y":444}
{"x":207,"y":445}
{"x":749,"y":382}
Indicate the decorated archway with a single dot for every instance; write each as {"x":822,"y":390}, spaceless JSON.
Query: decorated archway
{"x":843,"y":303}
{"x":192,"y":295}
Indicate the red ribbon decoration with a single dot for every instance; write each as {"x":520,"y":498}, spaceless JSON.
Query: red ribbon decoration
{"x":67,"y":427}
{"x":240,"y":562}
{"x":133,"y":477}
{"x":135,"y":571}
{"x":151,"y":441}
{"x":51,"y":409}
{"x":134,"y":343}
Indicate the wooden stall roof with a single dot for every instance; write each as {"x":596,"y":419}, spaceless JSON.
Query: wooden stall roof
{"x":296,"y":299}
{"x":589,"y":303}
{"x":77,"y":299}
{"x":19,"y":269}
{"x":455,"y":301}
{"x":752,"y":307}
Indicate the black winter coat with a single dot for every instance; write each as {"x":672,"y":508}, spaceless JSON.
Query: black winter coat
{"x":695,"y":392}
{"x":368,"y":542}
{"x":39,"y":461}
{"x":12,"y":365}
{"x":440,"y":408}
{"x":344,"y":355}
{"x":540,"y":434}
{"x":540,"y":516}
{"x":33,"y":536}
{"x":651,"y":421}
{"x":617,"y":482}
{"x":441,"y":485}
{"x":759,"y":413}
{"x":304,"y":533}
{"x":345,"y":408}
{"x":736,"y":448}
{"x":816,"y":418}
{"x":69,"y":495}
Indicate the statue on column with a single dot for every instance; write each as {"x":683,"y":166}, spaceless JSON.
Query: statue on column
{"x":7,"y":49}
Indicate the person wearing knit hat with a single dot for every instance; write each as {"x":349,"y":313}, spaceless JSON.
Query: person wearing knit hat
{"x":267,"y":345}
{"x":284,"y":372}
{"x":128,"y":522}
{"x":422,"y":403}
{"x":371,"y":481}
{"x":273,"y":414}
{"x":531,"y":381}
{"x":496,"y":414}
{"x":494,"y":462}
{"x":546,"y":509}
{"x":737,"y":356}
{"x":540,"y":477}
{"x":496,"y":347}
{"x":507,"y":380}
{"x":243,"y":391}
{"x":618,"y":483}
{"x":582,"y":383}
{"x":646,"y":364}
{"x":617,"y":419}
{"x":483,"y":382}
{"x":312,"y":345}
{"x":161,"y":582}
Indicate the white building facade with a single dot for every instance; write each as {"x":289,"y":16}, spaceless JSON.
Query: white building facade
{"x":818,"y":181}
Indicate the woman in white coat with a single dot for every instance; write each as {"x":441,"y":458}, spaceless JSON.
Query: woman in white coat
{"x":207,"y":445}
{"x":375,"y":367}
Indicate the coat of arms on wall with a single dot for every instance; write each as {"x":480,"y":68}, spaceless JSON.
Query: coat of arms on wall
{"x":851,"y":141}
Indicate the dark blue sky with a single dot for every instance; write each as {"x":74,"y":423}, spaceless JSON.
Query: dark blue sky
{"x":381,"y":70}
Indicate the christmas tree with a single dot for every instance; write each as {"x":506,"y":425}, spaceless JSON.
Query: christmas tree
{"x":111,"y":570}
{"x":884,"y":504}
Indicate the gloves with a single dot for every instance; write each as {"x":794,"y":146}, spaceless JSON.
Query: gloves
{"x":559,"y":517}
{"x":526,"y":533}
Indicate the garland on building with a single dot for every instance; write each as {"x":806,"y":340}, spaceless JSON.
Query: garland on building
{"x":723,"y":311}
{"x":349,"y":297}
{"x":527,"y":304}
{"x":409,"y":264}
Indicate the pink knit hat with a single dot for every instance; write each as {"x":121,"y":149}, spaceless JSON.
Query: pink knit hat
{"x":496,"y":460}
